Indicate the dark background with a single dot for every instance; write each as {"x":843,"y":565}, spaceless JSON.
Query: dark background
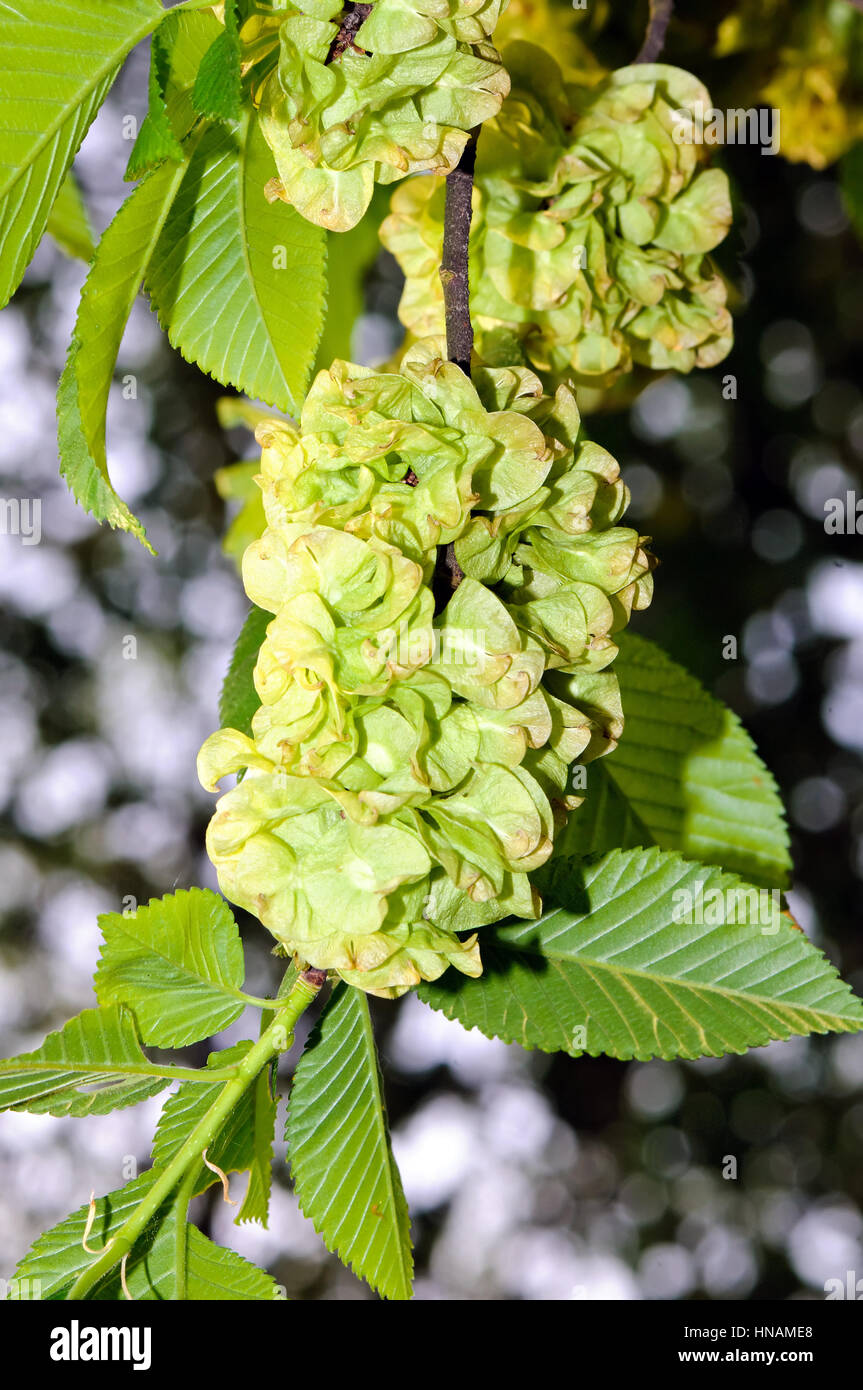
{"x":529,"y":1177}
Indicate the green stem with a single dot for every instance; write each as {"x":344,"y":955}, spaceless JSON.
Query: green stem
{"x":253,"y":999}
{"x":277,"y":1038}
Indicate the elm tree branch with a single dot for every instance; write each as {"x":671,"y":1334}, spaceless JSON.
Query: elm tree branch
{"x":453,"y":270}
{"x":352,"y":17}
{"x":458,"y":208}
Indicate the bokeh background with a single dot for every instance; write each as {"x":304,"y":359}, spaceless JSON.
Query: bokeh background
{"x":528,"y":1177}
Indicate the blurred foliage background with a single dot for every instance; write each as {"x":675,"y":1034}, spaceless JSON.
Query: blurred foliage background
{"x":528,"y":1177}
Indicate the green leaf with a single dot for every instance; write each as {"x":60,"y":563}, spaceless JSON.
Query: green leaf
{"x":178,"y":963}
{"x":106,"y":303}
{"x":239,"y":698}
{"x":184,"y":36}
{"x":213,"y":1273}
{"x":69,"y":222}
{"x":99,"y":1050}
{"x":245,"y":1143}
{"x":216,"y":1274}
{"x":685,"y":776}
{"x":344,"y":1172}
{"x":256,"y":1203}
{"x":188,"y":1105}
{"x":618,"y":963}
{"x":115,"y":279}
{"x":240,"y":283}
{"x":157,"y":140}
{"x":216,"y":93}
{"x":59,"y":58}
{"x":57,"y":1257}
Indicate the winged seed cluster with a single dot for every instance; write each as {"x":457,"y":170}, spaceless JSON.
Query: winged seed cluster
{"x":407,"y":769}
{"x":590,"y":229}
{"x":342,"y":110}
